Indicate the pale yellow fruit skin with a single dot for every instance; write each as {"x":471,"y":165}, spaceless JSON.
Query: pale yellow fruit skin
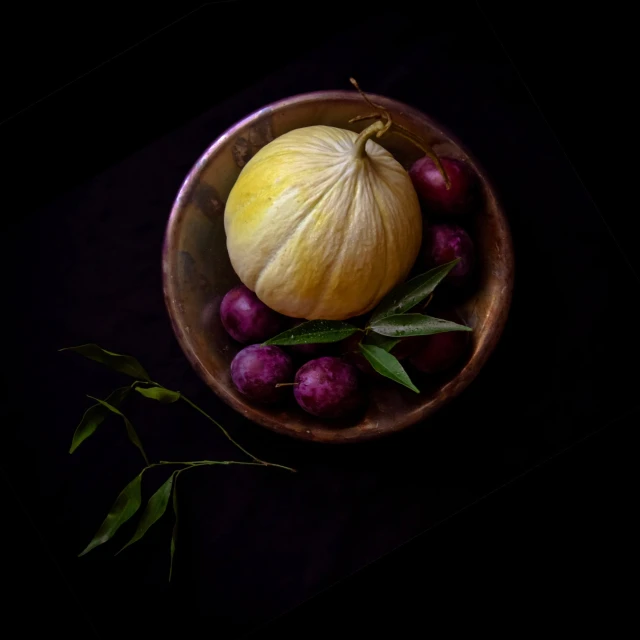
{"x":317,"y":232}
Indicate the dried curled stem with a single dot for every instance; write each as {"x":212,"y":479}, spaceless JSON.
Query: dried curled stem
{"x":383,"y":115}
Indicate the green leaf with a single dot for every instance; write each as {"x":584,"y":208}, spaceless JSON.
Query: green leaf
{"x":125,"y":506}
{"x":408,"y":294}
{"x":414,"y":324}
{"x":387,"y":365}
{"x":174,"y":535}
{"x":384,"y":342}
{"x":315,"y":332}
{"x":131,"y":432}
{"x":154,"y":510}
{"x":95,"y":415}
{"x":166,"y":396}
{"x":123,"y":364}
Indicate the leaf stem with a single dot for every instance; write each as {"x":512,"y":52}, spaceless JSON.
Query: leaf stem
{"x":226,"y":433}
{"x":174,"y":534}
{"x":204,"y":463}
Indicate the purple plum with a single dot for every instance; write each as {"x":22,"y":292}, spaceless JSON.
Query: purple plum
{"x":246,"y":318}
{"x":444,"y":243}
{"x":257,"y":369}
{"x":428,"y":182}
{"x":327,"y":387}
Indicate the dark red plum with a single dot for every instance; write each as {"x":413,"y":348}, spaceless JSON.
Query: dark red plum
{"x":461,"y":197}
{"x":257,"y":369}
{"x":441,"y":351}
{"x":351,"y":354}
{"x":445,"y":242}
{"x":327,"y":387}
{"x":358,"y":360}
{"x":247,"y":319}
{"x":406,"y":347}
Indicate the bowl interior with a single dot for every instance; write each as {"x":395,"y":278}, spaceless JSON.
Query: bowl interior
{"x":197,"y":271}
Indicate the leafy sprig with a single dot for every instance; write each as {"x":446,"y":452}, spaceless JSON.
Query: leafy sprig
{"x":393,"y":319}
{"x":129,"y":501}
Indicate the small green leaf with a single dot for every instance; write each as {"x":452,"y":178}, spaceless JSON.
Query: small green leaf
{"x":123,"y":364}
{"x":154,"y":510}
{"x":414,"y":324}
{"x":408,"y":294}
{"x":95,"y":415}
{"x":314,"y":332}
{"x":174,"y":535}
{"x":166,"y":396}
{"x":125,"y":506}
{"x":384,"y":342}
{"x":131,"y":432}
{"x":387,"y":365}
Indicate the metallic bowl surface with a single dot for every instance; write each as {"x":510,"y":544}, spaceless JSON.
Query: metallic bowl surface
{"x":197,"y":271}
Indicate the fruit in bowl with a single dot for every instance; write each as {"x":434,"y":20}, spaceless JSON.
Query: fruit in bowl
{"x":246,"y":318}
{"x":322,"y":223}
{"x":305,"y":220}
{"x":460,"y":196}
{"x":258,"y":371}
{"x":328,"y":387}
{"x":444,"y":243}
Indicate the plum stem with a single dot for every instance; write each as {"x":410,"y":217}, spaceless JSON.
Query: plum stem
{"x":425,"y":304}
{"x":287,"y":384}
{"x":382,"y":113}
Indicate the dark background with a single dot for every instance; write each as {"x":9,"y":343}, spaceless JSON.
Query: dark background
{"x":546,"y":540}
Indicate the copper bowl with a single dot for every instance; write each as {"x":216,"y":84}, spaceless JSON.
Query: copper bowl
{"x":197,"y":271}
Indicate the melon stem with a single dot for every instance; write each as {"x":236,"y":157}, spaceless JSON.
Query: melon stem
{"x":380,"y":113}
{"x":361,"y":141}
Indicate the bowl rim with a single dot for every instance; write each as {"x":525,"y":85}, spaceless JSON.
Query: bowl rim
{"x":456,"y":385}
